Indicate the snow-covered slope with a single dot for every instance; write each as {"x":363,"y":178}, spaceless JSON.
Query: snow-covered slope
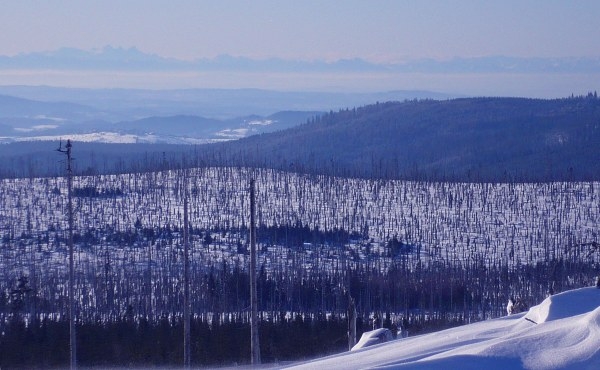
{"x":563,"y":332}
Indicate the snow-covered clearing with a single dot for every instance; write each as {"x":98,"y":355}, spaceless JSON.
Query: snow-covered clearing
{"x":562,"y":332}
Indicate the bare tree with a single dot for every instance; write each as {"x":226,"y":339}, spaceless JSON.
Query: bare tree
{"x":72,"y":318}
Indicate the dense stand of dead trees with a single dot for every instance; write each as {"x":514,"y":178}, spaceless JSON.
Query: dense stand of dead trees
{"x":414,"y":252}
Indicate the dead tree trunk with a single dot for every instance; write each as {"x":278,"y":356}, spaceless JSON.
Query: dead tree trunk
{"x":254,"y":341}
{"x":186,"y":279}
{"x":71,"y":288}
{"x":351,"y":323}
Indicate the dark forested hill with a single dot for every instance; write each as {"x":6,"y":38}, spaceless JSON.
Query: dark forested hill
{"x":471,"y":139}
{"x":477,"y":139}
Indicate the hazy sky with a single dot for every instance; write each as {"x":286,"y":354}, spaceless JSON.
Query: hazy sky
{"x":388,"y":30}
{"x":378,"y":31}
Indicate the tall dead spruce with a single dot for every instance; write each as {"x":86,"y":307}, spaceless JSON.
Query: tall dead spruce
{"x":72,"y":319}
{"x":186,"y":278}
{"x":254,"y":341}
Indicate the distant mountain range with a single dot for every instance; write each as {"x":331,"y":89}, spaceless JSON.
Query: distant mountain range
{"x":132,"y":59}
{"x":128,"y":104}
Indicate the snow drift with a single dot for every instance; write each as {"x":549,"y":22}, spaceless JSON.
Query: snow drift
{"x":563,"y":332}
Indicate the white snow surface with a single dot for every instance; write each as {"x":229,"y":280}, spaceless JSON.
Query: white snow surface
{"x":563,"y":332}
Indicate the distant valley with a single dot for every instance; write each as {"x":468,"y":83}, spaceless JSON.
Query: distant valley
{"x":194,"y":116}
{"x":462,"y":139}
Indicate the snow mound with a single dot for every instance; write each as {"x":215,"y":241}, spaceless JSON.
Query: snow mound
{"x":371,"y":338}
{"x":562,"y":332}
{"x":566,"y":304}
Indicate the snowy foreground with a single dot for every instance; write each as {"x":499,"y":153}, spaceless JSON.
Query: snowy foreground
{"x":563,"y":332}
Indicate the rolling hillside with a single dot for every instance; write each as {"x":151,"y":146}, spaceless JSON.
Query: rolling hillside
{"x":470,"y":139}
{"x":479,"y":139}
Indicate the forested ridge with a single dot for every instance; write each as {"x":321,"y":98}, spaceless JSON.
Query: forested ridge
{"x":468,"y":139}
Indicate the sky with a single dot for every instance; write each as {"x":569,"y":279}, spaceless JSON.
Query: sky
{"x":380,"y":31}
